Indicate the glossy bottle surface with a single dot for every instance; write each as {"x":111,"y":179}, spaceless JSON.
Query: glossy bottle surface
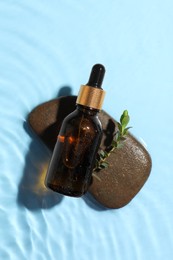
{"x":74,"y":154}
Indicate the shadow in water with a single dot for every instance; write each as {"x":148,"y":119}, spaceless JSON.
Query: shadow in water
{"x":32,"y":193}
{"x":92,"y":203}
{"x":64,"y":91}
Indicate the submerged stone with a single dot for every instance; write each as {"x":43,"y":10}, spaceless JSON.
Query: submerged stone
{"x":129,"y":166}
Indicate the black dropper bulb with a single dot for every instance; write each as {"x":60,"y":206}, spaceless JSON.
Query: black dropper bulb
{"x":96,"y":76}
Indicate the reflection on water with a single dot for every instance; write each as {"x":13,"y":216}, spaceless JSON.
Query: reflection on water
{"x":32,"y":193}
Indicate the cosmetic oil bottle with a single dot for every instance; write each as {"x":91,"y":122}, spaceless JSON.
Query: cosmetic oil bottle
{"x":74,"y":155}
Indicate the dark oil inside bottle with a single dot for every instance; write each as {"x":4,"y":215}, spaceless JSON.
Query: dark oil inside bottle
{"x":74,"y":155}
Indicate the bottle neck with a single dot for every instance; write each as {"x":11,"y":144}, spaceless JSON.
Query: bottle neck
{"x":88,"y":110}
{"x":90,"y":97}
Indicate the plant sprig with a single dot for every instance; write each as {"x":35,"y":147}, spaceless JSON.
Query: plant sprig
{"x":117,"y":142}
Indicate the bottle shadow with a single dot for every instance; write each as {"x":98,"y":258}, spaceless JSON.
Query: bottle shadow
{"x":32,"y":193}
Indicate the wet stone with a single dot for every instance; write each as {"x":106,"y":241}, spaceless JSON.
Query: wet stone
{"x":129,"y":166}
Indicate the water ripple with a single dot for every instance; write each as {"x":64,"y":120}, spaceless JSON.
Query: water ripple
{"x":47,"y":45}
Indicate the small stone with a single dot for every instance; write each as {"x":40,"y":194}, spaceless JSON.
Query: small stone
{"x":129,"y":166}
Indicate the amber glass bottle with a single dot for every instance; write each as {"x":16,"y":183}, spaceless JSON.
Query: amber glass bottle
{"x":73,"y":158}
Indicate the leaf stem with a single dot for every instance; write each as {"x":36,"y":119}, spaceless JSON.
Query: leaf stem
{"x":117,"y":142}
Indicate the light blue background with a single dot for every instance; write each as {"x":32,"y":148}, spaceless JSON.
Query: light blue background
{"x":46,"y":45}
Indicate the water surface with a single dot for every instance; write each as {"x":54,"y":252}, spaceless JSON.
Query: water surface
{"x":48,"y":45}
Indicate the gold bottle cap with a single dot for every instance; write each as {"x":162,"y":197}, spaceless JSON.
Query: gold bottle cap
{"x":91,"y":97}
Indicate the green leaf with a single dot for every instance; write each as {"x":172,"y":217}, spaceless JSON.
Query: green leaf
{"x":124,"y":114}
{"x":120,"y":145}
{"x":124,"y":119}
{"x":106,"y":154}
{"x":120,"y":127}
{"x":114,"y":143}
{"x":102,"y":154}
{"x":117,"y":142}
{"x":104,"y":165}
{"x":117,"y":135}
{"x":123,"y":138}
{"x":126,"y":130}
